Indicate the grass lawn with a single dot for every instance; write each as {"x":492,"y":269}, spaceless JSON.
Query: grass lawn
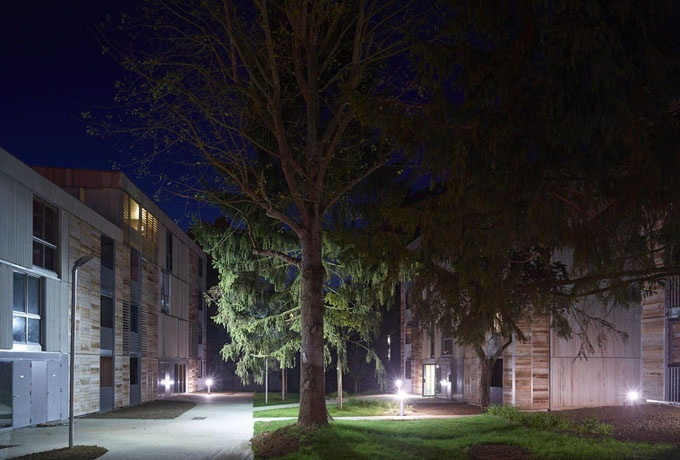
{"x":450,"y":438}
{"x":274,"y":399}
{"x":351,"y":408}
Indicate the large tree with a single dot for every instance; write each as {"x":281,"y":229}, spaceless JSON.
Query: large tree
{"x":551,"y":127}
{"x":256,"y":101}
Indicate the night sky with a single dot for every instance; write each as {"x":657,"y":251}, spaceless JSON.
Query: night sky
{"x":52,"y":70}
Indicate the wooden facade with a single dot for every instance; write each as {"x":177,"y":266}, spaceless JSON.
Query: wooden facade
{"x":88,"y":212}
{"x":547,"y":372}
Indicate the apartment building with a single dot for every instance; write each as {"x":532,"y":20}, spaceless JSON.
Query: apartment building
{"x":140,"y":319}
{"x":546,"y":372}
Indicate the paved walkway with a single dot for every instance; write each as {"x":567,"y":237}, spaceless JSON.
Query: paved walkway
{"x":218,"y":428}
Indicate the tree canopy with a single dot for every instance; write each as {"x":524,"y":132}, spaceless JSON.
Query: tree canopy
{"x":258,"y":302}
{"x":257,"y":102}
{"x":551,"y":128}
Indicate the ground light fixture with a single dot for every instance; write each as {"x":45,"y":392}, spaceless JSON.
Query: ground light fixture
{"x":209,"y":383}
{"x":72,"y":374}
{"x":633,"y":396}
{"x":400,"y":395}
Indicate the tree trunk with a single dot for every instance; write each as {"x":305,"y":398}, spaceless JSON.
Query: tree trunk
{"x":283,"y":383}
{"x":339,"y":384}
{"x":312,"y":396}
{"x":486,"y":369}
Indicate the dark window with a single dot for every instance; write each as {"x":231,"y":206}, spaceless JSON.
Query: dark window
{"x":105,"y":371}
{"x":44,"y":236}
{"x":26,"y":305}
{"x":107,"y":255}
{"x":165,"y":292}
{"x":134,"y":371}
{"x":200,"y":268}
{"x":168,"y":251}
{"x":447,"y":346}
{"x":134,"y":318}
{"x":107,"y":313}
{"x":200,"y":299}
{"x":497,"y":373}
{"x":407,"y":369}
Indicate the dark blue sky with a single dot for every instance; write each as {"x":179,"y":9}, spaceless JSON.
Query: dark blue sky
{"x":52,"y":70}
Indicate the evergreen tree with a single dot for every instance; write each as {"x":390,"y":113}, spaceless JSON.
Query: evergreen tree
{"x":552,"y":127}
{"x":258,"y":302}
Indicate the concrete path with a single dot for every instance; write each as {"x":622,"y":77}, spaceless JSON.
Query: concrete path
{"x":218,"y":428}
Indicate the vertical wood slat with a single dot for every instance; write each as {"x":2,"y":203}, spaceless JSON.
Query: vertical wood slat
{"x":673,"y":383}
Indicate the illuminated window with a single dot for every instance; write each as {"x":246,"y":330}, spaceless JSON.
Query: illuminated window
{"x":44,"y":235}
{"x":134,"y":216}
{"x":26,"y":303}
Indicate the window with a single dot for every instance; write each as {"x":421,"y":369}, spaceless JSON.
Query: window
{"x":44,"y":235}
{"x":133,"y":214}
{"x":106,"y":316}
{"x":497,"y":373}
{"x":199,"y":293}
{"x":105,"y":371}
{"x":168,"y":251}
{"x":134,"y":371}
{"x":447,"y":346}
{"x":26,"y":303}
{"x":107,"y":254}
{"x":134,"y":317}
{"x":165,"y":292}
{"x":200,"y":268}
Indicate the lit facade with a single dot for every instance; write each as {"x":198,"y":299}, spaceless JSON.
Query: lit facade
{"x":140,"y":321}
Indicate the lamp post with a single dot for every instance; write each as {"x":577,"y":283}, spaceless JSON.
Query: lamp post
{"x":74,"y":286}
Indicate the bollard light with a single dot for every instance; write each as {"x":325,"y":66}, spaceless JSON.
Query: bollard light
{"x":400,"y":395}
{"x":209,"y":383}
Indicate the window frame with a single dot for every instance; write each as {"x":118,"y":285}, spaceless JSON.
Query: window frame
{"x":165,"y":290}
{"x":26,"y":314}
{"x":42,"y":241}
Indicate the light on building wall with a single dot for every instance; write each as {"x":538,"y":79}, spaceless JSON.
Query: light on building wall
{"x":209,"y":383}
{"x":633,"y":396}
{"x":72,"y":374}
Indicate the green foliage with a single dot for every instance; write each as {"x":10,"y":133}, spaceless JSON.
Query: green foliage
{"x":550,"y":144}
{"x":550,"y":421}
{"x":258,"y":301}
{"x":452,"y":438}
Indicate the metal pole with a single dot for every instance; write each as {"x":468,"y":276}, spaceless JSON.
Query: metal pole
{"x":266,"y":381}
{"x":74,"y":285}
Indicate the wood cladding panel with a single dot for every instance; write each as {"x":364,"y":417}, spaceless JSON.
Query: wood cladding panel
{"x":592,"y":382}
{"x":626,"y":320}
